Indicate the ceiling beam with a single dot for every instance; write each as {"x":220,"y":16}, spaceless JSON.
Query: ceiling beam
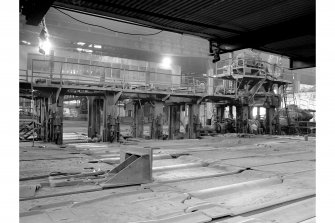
{"x":301,"y":64}
{"x":116,"y":6}
{"x":283,"y":31}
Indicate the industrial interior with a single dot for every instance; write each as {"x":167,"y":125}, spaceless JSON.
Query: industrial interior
{"x":167,"y":111}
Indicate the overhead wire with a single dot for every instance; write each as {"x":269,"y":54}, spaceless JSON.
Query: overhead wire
{"x":103,"y":27}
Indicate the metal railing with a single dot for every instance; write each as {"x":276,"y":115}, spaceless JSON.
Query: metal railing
{"x":66,"y":73}
{"x":227,"y":70}
{"x":241,"y":66}
{"x":24,"y":76}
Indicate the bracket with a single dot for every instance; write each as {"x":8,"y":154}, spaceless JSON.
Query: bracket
{"x":135,"y":168}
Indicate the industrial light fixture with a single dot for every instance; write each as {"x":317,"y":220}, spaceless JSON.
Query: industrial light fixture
{"x":45,"y":47}
{"x":88,"y":51}
{"x":84,"y":50}
{"x":97,"y":46}
{"x":216,"y":56}
{"x":44,"y":43}
{"x":25,"y":42}
{"x":214,"y":50}
{"x":166,"y":63}
{"x":80,"y":43}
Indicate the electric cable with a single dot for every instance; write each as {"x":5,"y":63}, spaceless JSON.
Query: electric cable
{"x":86,"y":23}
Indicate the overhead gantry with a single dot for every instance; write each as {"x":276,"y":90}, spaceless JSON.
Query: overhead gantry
{"x":242,"y":83}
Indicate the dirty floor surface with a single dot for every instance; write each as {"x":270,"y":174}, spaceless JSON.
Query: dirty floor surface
{"x":225,"y":179}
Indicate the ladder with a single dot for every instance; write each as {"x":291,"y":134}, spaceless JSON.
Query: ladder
{"x":259,"y":85}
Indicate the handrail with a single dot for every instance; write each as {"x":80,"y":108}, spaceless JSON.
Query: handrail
{"x":59,"y":72}
{"x":108,"y":67}
{"x":25,"y":75}
{"x":256,"y":64}
{"x":246,"y":66}
{"x":243,"y":59}
{"x":62,"y":72}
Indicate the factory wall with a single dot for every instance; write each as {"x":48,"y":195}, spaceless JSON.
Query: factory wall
{"x":121,"y":68}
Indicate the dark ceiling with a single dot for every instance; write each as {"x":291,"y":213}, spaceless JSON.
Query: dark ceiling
{"x":285,"y":27}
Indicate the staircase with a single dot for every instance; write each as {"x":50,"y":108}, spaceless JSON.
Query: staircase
{"x":257,"y":87}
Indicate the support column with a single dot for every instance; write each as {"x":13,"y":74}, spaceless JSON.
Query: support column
{"x":46,"y":122}
{"x":51,"y":115}
{"x":245,"y":117}
{"x":157,"y":122}
{"x":277,"y":122}
{"x":90,"y":116}
{"x":242,"y":113}
{"x":218,"y":113}
{"x":38,"y":109}
{"x":270,"y":112}
{"x":174,"y":121}
{"x":42,"y":119}
{"x":171,"y":121}
{"x":194,"y":121}
{"x":94,"y":115}
{"x":97,"y":108}
{"x":51,"y":110}
{"x":139,"y":120}
{"x":58,"y":121}
{"x":110,"y":131}
{"x":250,"y":115}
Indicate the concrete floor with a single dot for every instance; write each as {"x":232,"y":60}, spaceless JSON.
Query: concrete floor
{"x":228,"y":179}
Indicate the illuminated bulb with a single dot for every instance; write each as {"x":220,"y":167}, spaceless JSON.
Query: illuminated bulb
{"x":26,"y":42}
{"x":88,"y":51}
{"x":166,"y":63}
{"x":45,"y":46}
